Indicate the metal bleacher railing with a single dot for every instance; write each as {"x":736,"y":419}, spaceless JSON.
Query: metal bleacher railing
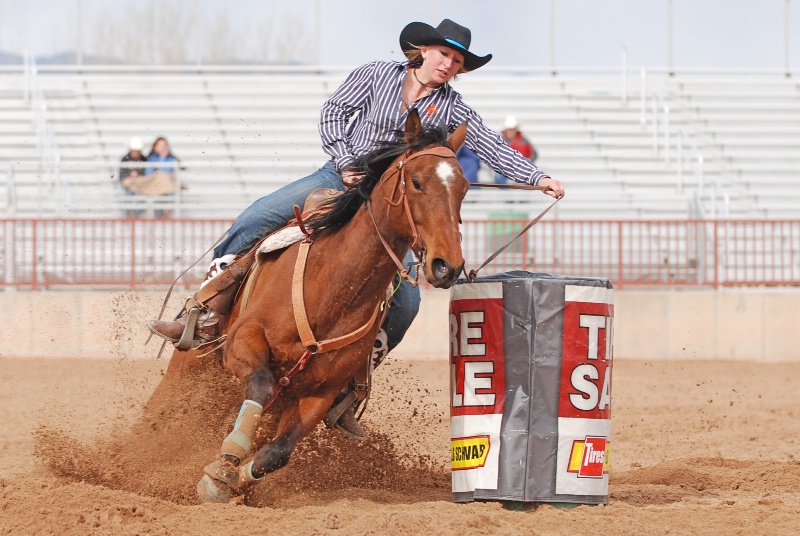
{"x":146,"y":253}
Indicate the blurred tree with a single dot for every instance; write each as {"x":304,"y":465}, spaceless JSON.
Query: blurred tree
{"x":164,"y":32}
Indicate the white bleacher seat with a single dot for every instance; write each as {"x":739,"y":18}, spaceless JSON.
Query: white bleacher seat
{"x":242,"y":135}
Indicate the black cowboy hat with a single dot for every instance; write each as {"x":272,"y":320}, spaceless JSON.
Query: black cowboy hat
{"x":449,"y":34}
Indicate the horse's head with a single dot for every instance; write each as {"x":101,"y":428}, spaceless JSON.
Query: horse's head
{"x":432,"y":186}
{"x":413,"y":187}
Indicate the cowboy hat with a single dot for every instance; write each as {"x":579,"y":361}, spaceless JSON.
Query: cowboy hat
{"x":135,"y":144}
{"x":510,"y":122}
{"x":449,"y":34}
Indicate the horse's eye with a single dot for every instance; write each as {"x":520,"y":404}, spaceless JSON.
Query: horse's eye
{"x":416,"y":183}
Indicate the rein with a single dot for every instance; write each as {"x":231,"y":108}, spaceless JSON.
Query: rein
{"x":511,"y":186}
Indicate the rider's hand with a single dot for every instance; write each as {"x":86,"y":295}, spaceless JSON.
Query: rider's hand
{"x":351,"y":178}
{"x":556,"y":188}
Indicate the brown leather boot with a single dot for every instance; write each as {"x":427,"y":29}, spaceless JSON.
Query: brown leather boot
{"x":204,"y":322}
{"x":342,"y":416}
{"x":349,"y":425}
{"x":199,"y":324}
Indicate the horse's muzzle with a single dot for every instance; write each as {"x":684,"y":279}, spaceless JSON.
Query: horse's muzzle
{"x":442,"y":274}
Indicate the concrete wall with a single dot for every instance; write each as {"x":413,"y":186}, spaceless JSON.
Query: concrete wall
{"x":742,"y":324}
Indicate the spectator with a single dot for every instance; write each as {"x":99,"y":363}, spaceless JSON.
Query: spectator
{"x":161,"y":153}
{"x":130,"y":176}
{"x":163,"y":178}
{"x":517,"y":141}
{"x":470,"y":163}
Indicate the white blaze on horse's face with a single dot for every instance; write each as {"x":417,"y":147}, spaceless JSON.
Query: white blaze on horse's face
{"x":445,"y":172}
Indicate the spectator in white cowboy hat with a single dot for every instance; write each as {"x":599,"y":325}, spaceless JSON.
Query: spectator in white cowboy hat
{"x":370,"y":106}
{"x":134,"y":155}
{"x":517,"y":141}
{"x":128,"y":176}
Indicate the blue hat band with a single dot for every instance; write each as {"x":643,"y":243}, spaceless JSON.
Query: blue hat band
{"x":456,"y":43}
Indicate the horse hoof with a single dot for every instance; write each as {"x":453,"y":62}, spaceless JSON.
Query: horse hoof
{"x":210,"y":490}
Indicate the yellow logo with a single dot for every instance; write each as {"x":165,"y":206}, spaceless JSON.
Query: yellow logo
{"x":469,"y":452}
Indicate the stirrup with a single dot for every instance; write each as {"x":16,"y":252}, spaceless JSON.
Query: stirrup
{"x":332,"y":417}
{"x":186,"y":342}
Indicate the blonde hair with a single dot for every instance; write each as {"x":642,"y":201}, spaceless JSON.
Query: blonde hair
{"x":414,"y":56}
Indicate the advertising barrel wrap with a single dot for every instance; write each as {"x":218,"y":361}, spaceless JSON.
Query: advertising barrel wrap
{"x":530,"y":386}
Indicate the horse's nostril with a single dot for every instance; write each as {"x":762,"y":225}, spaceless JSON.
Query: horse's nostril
{"x":440,"y":268}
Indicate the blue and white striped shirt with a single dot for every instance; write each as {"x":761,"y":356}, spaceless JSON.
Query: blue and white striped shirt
{"x":375,"y":89}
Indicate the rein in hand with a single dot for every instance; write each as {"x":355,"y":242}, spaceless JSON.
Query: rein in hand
{"x":512,"y":186}
{"x":473,"y":274}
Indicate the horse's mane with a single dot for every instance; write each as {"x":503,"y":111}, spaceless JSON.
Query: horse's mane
{"x":372,"y":166}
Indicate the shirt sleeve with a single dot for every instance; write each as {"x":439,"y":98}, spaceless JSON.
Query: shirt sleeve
{"x":492,"y":148}
{"x":348,"y":99}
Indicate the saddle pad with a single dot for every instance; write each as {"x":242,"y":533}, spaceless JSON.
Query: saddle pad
{"x":281,"y":239}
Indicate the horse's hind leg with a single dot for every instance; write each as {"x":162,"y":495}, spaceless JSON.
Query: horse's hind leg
{"x":247,"y":358}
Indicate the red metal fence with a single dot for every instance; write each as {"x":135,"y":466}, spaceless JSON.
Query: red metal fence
{"x":53,"y":253}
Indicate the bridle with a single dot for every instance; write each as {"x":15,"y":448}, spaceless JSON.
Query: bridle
{"x":399,"y":195}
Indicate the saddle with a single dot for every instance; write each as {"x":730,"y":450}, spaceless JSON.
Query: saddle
{"x":241,"y":270}
{"x":317,"y":204}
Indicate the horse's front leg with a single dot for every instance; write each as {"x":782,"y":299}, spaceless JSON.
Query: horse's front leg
{"x":297,"y":421}
{"x":248,"y":359}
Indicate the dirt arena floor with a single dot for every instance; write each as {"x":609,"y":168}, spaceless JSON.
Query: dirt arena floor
{"x":699,"y":448}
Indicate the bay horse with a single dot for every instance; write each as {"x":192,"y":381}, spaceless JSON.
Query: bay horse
{"x":409,"y":198}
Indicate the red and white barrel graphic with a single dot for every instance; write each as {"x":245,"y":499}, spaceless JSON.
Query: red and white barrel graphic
{"x":477,"y":381}
{"x":584,"y":410}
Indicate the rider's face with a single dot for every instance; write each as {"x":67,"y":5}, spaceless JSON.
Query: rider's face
{"x":441,"y":63}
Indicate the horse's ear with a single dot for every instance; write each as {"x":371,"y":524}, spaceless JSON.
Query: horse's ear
{"x":413,"y":126}
{"x":457,"y":138}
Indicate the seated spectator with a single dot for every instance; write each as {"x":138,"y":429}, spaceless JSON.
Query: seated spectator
{"x":161,"y":153}
{"x":517,"y":141}
{"x":162,"y":178}
{"x":128,"y":176}
{"x":470,"y":163}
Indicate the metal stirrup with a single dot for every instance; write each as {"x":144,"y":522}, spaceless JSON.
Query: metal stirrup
{"x":187,"y":337}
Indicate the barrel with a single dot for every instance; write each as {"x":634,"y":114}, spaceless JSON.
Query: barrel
{"x":530,"y":388}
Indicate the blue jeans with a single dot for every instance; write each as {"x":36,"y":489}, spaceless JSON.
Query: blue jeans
{"x":404,"y":308}
{"x":273,"y":211}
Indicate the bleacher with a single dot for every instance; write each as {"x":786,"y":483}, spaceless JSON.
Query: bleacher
{"x":243,"y":134}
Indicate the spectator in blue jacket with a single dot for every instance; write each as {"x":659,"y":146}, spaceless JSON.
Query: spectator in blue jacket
{"x":470,"y":163}
{"x":163,"y":175}
{"x":161,"y":152}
